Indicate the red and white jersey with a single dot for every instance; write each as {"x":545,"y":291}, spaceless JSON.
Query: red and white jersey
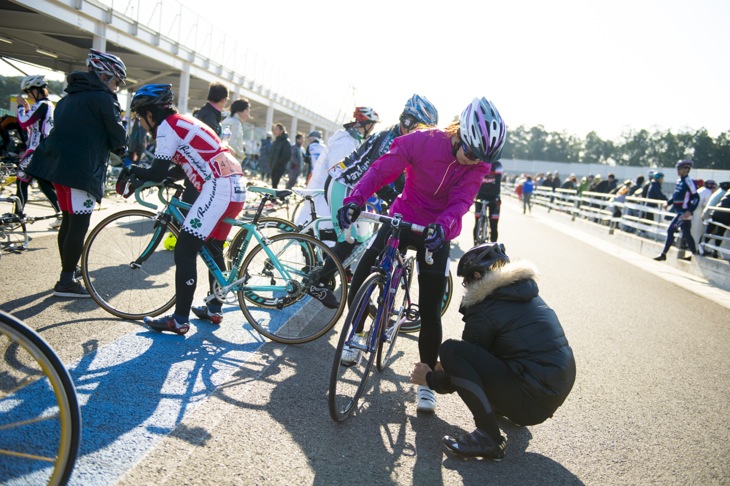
{"x":191,"y":144}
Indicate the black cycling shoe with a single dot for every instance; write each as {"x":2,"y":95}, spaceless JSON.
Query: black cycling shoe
{"x":167,"y":323}
{"x":324,"y":295}
{"x":476,"y":444}
{"x":661,"y":257}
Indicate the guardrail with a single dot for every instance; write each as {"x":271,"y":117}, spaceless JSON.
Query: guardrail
{"x":643,"y":217}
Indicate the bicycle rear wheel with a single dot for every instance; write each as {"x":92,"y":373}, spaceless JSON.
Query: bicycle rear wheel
{"x":40,"y":421}
{"x":13,"y":234}
{"x":414,"y":325}
{"x":348,"y":382}
{"x":483,"y":229}
{"x":280,"y":298}
{"x":113,"y":273}
{"x":400,"y":309}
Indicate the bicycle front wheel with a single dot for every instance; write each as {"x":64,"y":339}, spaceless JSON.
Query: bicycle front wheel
{"x":39,"y":411}
{"x":349,"y":378}
{"x":126,"y":269}
{"x":399,"y":312}
{"x":279,"y":290}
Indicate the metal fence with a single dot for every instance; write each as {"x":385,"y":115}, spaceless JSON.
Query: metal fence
{"x":645,"y":218}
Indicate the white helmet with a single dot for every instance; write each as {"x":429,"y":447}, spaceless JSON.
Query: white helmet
{"x":482,"y":129}
{"x":102,"y":62}
{"x":33,"y":81}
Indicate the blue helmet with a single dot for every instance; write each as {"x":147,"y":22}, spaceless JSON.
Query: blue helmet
{"x":421,"y":109}
{"x":152,"y":95}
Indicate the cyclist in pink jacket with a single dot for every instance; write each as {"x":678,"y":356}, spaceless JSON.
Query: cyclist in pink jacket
{"x":444,"y":169}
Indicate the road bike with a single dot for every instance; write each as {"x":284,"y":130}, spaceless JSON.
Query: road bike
{"x":40,"y":420}
{"x":380,"y":307}
{"x":314,"y":227}
{"x":129,"y":274}
{"x":13,"y":228}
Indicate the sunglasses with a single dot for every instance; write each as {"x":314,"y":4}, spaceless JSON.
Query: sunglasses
{"x":468,"y":153}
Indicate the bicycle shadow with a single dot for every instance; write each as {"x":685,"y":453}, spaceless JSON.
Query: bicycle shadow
{"x":138,"y":390}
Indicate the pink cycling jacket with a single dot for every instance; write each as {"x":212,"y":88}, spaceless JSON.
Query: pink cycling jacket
{"x":438,"y":188}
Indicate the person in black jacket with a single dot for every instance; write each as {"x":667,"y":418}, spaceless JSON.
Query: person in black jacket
{"x":280,"y":154}
{"x":514,"y":359}
{"x":210,"y":113}
{"x":74,"y":156}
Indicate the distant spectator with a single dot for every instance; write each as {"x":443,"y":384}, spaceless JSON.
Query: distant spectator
{"x":240,"y":112}
{"x":684,"y":201}
{"x":655,"y":192}
{"x":265,"y":156}
{"x":721,"y":217}
{"x":315,"y":147}
{"x":280,"y":154}
{"x":527,"y":189}
{"x":210,"y":113}
{"x":570,"y":183}
{"x":296,"y":160}
{"x":698,"y":226}
{"x":606,"y":186}
{"x":556,"y":180}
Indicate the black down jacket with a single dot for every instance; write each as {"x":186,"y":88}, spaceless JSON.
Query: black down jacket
{"x":504,"y":314}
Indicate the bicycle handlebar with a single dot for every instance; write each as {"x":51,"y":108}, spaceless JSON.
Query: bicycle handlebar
{"x":395,"y":222}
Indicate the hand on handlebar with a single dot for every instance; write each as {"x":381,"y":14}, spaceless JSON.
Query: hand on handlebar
{"x":347,"y":215}
{"x":434,"y":237}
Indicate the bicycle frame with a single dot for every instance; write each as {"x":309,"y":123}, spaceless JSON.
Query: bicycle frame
{"x":391,"y":265}
{"x":172,"y":211}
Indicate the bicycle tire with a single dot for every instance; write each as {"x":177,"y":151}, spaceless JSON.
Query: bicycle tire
{"x":399,"y":308}
{"x":33,"y":379}
{"x":293,"y":316}
{"x":122,"y":289}
{"x":415,"y":325}
{"x":267,"y":226}
{"x":13,"y":234}
{"x":348,"y":382}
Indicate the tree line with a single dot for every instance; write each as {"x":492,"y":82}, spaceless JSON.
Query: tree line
{"x":641,"y":148}
{"x":10,"y":86}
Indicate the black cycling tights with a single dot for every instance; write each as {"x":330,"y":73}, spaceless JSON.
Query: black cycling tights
{"x":488,"y":387}
{"x":431,"y":283}
{"x":186,"y":272}
{"x":45,"y":187}
{"x":71,"y":236}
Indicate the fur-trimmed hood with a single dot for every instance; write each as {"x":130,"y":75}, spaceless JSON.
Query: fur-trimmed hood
{"x":514,"y":281}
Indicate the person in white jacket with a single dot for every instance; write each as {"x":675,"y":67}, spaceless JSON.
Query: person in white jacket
{"x":240,"y":112}
{"x":341,"y":144}
{"x":698,"y":224}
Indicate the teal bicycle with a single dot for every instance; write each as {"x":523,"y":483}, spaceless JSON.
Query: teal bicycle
{"x":129,"y":274}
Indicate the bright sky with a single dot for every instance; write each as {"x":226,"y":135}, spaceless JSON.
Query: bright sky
{"x":573,"y":65}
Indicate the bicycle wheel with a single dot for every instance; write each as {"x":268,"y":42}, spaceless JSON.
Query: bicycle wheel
{"x":483,"y":233}
{"x":348,"y":382}
{"x":124,"y":273}
{"x":13,"y":234}
{"x":267,"y":227}
{"x":414,"y":325}
{"x":400,"y":312}
{"x":280,"y":297}
{"x":40,"y":421}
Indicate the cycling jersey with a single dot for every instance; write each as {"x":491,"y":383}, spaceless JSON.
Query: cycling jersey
{"x":37,"y":121}
{"x":685,"y":197}
{"x":491,"y":184}
{"x":351,"y":169}
{"x":193,"y":146}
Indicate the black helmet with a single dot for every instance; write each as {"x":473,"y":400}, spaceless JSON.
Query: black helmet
{"x":480,"y":258}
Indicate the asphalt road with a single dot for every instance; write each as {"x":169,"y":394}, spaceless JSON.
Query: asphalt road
{"x":222,"y":406}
